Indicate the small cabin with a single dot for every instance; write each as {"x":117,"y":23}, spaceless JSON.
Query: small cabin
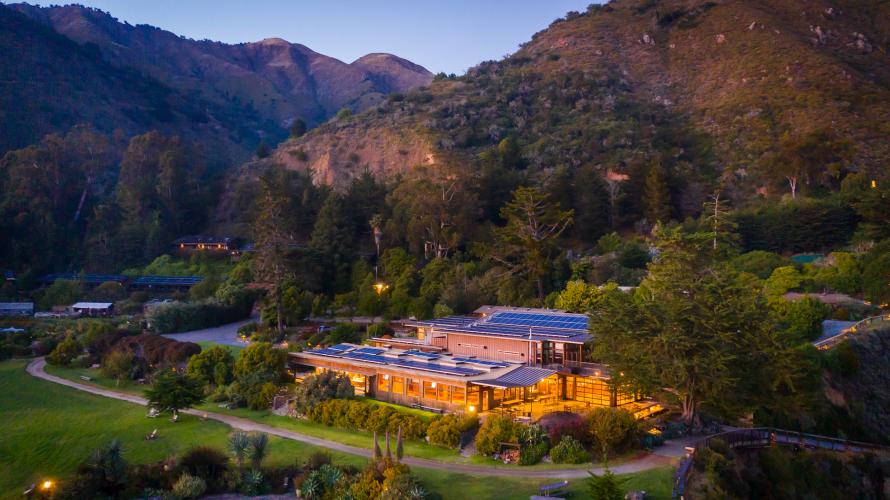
{"x":99,"y":309}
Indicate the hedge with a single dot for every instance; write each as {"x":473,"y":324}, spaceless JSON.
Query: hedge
{"x":182,"y":317}
{"x":351,"y":414}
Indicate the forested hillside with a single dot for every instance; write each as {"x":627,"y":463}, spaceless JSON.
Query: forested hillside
{"x":765,"y":98}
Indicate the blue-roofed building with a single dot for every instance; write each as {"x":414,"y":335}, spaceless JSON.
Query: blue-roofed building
{"x":523,"y":361}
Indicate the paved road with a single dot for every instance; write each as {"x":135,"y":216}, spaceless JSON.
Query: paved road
{"x":665,"y":455}
{"x":224,"y":334}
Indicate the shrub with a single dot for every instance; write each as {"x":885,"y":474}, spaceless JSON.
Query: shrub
{"x":213,"y":366}
{"x":613,"y":430}
{"x":66,"y":351}
{"x":118,"y":364}
{"x":496,"y":429}
{"x":157,"y":350}
{"x":321,"y":387}
{"x":562,"y":424}
{"x":445,"y":431}
{"x":261,"y":398}
{"x":569,"y":451}
{"x":534,"y":453}
{"x":352,"y":414}
{"x":180,"y":317}
{"x":61,"y":293}
{"x":206,"y":463}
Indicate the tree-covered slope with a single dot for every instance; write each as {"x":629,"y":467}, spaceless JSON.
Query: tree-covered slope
{"x":48,"y":83}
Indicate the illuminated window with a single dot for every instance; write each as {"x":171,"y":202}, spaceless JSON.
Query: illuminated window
{"x":383,"y":383}
{"x":594,"y":391}
{"x":413,"y":387}
{"x":458,"y":395}
{"x":473,"y":395}
{"x":444,"y":392}
{"x":398,"y":385}
{"x":429,"y":389}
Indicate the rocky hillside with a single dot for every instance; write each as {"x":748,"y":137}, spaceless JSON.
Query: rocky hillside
{"x":279,"y":80}
{"x":751,"y":91}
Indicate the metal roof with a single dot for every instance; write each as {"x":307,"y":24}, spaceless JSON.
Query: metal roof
{"x":85,"y":278}
{"x":522,"y":376}
{"x":91,"y":305}
{"x":168,"y":280}
{"x":16,"y":306}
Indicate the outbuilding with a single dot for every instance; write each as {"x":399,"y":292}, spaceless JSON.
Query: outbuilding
{"x":16,"y":308}
{"x":93,"y":308}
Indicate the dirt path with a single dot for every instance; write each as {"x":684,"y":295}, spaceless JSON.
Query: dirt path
{"x":664,"y":456}
{"x":223,"y":334}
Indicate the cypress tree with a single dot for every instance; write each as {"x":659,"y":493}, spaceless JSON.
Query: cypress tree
{"x":657,"y":196}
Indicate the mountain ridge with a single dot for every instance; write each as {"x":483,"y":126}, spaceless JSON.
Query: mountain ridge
{"x":281,"y":80}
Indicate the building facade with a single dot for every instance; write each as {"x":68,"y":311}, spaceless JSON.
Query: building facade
{"x":526,"y":362}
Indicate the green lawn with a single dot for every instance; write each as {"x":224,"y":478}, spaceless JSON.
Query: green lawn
{"x":48,"y":429}
{"x":234,"y":349}
{"x":357,"y":438}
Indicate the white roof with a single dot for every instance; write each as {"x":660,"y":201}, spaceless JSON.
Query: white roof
{"x":16,"y":305}
{"x":92,"y":305}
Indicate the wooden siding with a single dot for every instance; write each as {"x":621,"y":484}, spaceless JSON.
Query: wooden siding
{"x":516,"y":351}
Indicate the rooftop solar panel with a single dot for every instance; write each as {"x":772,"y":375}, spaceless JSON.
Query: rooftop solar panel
{"x":421,"y":354}
{"x":340,"y":347}
{"x":399,"y":362}
{"x":484,"y":362}
{"x":368,"y":350}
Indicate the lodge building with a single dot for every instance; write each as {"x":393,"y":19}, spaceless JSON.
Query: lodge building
{"x":524,"y":362}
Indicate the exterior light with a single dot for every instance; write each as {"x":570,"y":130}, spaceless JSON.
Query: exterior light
{"x":471,"y":409}
{"x":433,"y":385}
{"x":46,"y":485}
{"x":380,"y":287}
{"x":385,"y":376}
{"x":874,"y":184}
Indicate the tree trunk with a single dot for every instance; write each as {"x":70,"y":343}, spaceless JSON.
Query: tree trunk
{"x":792,"y":182}
{"x":279,"y":309}
{"x":540,"y":283}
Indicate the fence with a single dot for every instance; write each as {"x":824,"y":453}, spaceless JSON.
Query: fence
{"x":766,"y":436}
{"x":837,"y":339}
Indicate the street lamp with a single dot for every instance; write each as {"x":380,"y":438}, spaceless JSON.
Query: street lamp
{"x":380,"y":287}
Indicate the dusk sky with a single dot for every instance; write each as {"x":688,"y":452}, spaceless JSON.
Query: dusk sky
{"x":442,"y":36}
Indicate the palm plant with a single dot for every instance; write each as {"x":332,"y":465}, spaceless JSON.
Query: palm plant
{"x":239,"y":447}
{"x":259,"y":449}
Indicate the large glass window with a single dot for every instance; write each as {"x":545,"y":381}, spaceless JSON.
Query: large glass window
{"x":473,"y":396}
{"x":592,"y":391}
{"x":429,"y":389}
{"x":413,"y":387}
{"x":383,"y":383}
{"x":398,"y":385}
{"x":458,"y":395}
{"x":444,"y":392}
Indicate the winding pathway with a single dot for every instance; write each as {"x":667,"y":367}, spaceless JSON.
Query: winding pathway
{"x":663,"y":456}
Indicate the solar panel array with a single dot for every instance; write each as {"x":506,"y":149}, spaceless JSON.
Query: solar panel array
{"x":168,"y":280}
{"x":496,"y":364}
{"x":422,"y":354}
{"x":566,"y":321}
{"x":395,"y":361}
{"x":560,"y":327}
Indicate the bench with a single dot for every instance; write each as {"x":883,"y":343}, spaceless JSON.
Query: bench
{"x":427,"y":408}
{"x":85,"y":378}
{"x":550,"y":490}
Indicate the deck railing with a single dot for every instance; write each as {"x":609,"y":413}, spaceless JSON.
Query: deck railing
{"x":830,"y":342}
{"x":766,"y":436}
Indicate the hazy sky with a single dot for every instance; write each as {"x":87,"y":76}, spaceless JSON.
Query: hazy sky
{"x":445,"y":36}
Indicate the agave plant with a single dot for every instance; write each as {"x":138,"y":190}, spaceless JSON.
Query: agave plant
{"x":312,"y":487}
{"x":252,"y":484}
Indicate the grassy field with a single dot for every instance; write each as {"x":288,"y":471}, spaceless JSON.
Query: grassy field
{"x":357,"y":438}
{"x":48,"y":429}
